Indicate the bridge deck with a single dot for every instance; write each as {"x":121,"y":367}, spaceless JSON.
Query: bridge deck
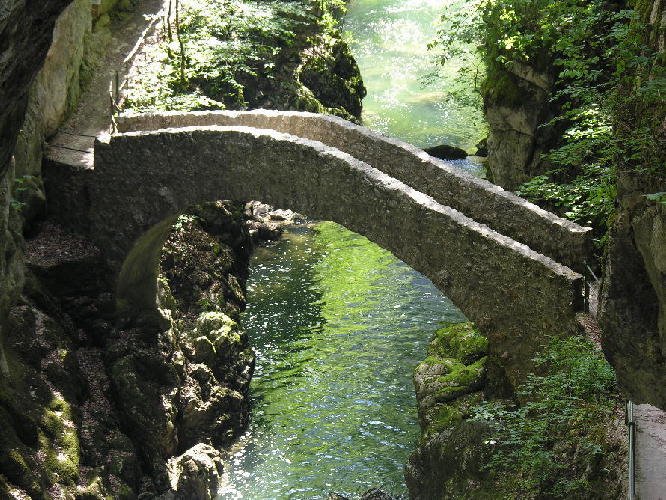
{"x":503,"y":211}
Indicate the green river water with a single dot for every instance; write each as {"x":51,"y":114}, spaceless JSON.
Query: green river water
{"x":338,"y":324}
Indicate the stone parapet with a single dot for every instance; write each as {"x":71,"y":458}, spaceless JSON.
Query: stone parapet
{"x":503,"y":211}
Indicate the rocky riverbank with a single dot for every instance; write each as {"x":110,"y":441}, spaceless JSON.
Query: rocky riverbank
{"x":123,"y":409}
{"x":559,"y":436}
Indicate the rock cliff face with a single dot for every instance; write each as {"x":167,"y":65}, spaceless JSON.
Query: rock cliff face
{"x":633,"y":296}
{"x":633,"y":293}
{"x":184,"y":387}
{"x":79,"y":41}
{"x":25,"y":36}
{"x":46,"y":49}
{"x":516,"y":134}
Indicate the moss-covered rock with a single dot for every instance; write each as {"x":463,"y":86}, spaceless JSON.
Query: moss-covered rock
{"x":196,"y":474}
{"x":449,"y":384}
{"x":39,"y":444}
{"x":461,"y":341}
{"x":331,"y":73}
{"x":455,"y":367}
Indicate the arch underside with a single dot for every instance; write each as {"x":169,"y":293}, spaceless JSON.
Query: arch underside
{"x":143,"y":180}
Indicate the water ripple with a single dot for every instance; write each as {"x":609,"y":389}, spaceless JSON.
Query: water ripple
{"x":334,"y":406}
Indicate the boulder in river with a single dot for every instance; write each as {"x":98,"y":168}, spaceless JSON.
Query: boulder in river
{"x":446,"y":152}
{"x":482,"y":147}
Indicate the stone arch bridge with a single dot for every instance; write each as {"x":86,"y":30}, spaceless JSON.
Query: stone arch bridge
{"x":507,"y":264}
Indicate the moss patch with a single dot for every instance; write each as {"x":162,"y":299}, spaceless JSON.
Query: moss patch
{"x":461,"y":341}
{"x":450,"y":376}
{"x":462,"y":379}
{"x":59,"y":442}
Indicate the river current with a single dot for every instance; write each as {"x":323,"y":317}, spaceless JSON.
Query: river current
{"x":339,"y":324}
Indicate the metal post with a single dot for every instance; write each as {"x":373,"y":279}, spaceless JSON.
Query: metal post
{"x":586,"y":295}
{"x":586,"y":285}
{"x":117,"y":88}
{"x":631,"y":428}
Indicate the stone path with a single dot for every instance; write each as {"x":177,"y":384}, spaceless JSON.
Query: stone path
{"x":73,"y":145}
{"x":650,"y":452}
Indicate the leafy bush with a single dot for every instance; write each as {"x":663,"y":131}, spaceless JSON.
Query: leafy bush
{"x":556,"y":444}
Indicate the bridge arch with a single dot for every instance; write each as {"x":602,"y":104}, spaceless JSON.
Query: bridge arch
{"x":143,"y":180}
{"x":487,"y":203}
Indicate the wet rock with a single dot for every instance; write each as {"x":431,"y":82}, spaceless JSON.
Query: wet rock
{"x":376,"y":494}
{"x":482,"y":148}
{"x":371,"y":494}
{"x":265,"y":223}
{"x":195,"y":475}
{"x":446,"y":152}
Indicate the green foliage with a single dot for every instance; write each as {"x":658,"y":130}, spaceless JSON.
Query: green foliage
{"x":461,"y":70}
{"x":658,"y":197}
{"x":638,"y":104}
{"x":607,"y":91}
{"x":21,"y":185}
{"x":236,"y":54}
{"x":587,"y":199}
{"x":184,"y":221}
{"x":555,"y":444}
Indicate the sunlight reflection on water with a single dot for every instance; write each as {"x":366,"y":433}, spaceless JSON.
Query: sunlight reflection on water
{"x":334,"y":406}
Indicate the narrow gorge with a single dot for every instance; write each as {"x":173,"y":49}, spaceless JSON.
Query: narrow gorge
{"x":166,"y":333}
